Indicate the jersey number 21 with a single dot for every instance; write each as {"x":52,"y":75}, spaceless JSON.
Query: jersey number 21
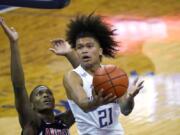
{"x":105,"y":117}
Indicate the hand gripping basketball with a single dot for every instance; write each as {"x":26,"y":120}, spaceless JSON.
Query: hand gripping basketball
{"x":111,"y":79}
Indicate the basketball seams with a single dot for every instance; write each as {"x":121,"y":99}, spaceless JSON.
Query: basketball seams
{"x":115,"y":87}
{"x":117,"y":77}
{"x":108,"y":74}
{"x":113,"y":79}
{"x":104,"y":68}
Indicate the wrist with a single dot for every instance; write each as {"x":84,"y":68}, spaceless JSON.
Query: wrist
{"x":69,"y":53}
{"x":93,"y":104}
{"x":13,"y":41}
{"x":130,"y":96}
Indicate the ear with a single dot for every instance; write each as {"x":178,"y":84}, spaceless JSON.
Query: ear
{"x":100,"y":51}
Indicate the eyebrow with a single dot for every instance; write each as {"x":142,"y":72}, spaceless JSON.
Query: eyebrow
{"x":89,"y":42}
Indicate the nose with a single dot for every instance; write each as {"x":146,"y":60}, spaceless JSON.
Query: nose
{"x":85,"y":50}
{"x":45,"y":95}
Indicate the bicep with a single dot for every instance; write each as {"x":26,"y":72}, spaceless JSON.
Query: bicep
{"x":74,"y":87}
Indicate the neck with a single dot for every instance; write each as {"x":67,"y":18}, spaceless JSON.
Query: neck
{"x":91,"y":69}
{"x":47,"y":115}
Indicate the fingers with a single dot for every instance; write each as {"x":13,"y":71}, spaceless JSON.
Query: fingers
{"x":57,"y":41}
{"x":12,"y":29}
{"x":100,"y":93}
{"x":93,"y":92}
{"x":141,"y":83}
{"x":136,"y":80}
{"x":55,"y":46}
{"x":109,"y":98}
{"x":138,"y":83}
{"x":52,"y":50}
{"x":105,"y":99}
{"x":1,"y":20}
{"x":137,"y":90}
{"x":138,"y":87}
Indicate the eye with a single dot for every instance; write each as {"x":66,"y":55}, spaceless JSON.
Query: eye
{"x":39,"y":93}
{"x":79,"y":47}
{"x":90,"y":45}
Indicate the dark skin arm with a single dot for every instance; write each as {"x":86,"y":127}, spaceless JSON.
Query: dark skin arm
{"x":22,"y":103}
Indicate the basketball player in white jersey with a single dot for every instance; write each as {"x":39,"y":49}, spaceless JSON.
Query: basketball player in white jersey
{"x":94,"y":114}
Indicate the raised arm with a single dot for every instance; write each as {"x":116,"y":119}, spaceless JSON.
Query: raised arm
{"x":126,"y":102}
{"x":17,"y":76}
{"x":62,"y":48}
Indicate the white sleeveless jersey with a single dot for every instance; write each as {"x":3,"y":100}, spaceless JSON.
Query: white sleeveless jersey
{"x":101,"y":121}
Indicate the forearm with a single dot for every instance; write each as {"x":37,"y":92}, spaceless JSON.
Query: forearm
{"x":72,"y":57}
{"x":127,"y":105}
{"x":17,"y":77}
{"x":87,"y":105}
{"x":17,"y":74}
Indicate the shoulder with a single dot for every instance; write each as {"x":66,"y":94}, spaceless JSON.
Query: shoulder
{"x":71,"y":82}
{"x":71,"y":79}
{"x":31,"y":120}
{"x":71,"y":75}
{"x":31,"y":127}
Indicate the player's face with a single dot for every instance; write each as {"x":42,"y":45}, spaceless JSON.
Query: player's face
{"x":89,"y":51}
{"x":43,"y":99}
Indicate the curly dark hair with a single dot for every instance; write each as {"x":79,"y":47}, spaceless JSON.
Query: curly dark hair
{"x":93,"y":26}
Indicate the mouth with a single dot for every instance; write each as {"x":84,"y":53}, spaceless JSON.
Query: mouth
{"x":86,"y":58}
{"x":48,"y":102}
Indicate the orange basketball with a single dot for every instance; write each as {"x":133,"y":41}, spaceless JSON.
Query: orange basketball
{"x":112,"y":79}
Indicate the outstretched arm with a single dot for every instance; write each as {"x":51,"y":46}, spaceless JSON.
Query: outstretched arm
{"x":127,"y":101}
{"x":17,"y":76}
{"x":62,"y":48}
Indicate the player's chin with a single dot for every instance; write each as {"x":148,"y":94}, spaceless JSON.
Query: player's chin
{"x":48,"y":106}
{"x":87,"y":63}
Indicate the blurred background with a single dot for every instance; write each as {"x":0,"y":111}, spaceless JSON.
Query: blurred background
{"x":148,"y":34}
